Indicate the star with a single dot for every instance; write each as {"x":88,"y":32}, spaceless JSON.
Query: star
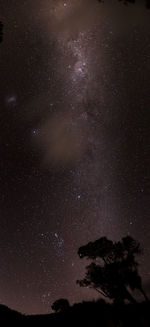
{"x":35,"y":131}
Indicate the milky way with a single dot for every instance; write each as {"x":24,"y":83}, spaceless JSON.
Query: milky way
{"x":74,"y":142}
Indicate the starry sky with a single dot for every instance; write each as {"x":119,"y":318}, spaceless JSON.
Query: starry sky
{"x":74,"y":122}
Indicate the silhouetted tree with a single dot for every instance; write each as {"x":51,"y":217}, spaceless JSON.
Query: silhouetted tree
{"x":1,"y":32}
{"x":113,"y":273}
{"x":60,"y":305}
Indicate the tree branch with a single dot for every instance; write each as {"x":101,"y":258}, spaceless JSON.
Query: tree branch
{"x":104,"y":294}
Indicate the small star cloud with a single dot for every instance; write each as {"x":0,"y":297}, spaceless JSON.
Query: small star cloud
{"x":11,"y":100}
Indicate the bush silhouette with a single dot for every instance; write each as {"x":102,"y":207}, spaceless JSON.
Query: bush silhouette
{"x":113,"y":272}
{"x":60,"y":305}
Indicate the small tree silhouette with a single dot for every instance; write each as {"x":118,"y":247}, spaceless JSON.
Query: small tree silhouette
{"x":113,"y":273}
{"x":60,"y":305}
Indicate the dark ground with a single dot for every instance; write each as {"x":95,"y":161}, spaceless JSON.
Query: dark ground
{"x":84,"y":314}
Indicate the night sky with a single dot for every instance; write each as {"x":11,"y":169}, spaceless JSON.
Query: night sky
{"x":74,"y":122}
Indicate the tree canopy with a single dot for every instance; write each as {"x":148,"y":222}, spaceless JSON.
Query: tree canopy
{"x":113,"y":271}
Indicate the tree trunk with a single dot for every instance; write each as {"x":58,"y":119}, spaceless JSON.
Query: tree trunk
{"x":130,"y":297}
{"x":144,"y":294}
